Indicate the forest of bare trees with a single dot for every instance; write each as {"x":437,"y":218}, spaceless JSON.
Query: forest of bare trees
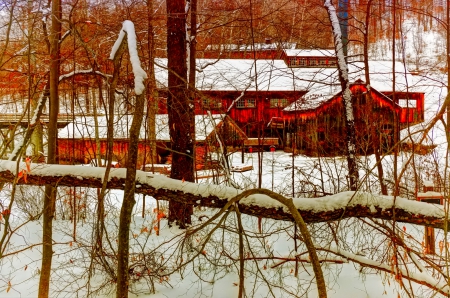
{"x":143,"y":221}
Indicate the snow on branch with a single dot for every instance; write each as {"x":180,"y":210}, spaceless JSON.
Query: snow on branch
{"x":37,"y":112}
{"x":83,"y":71}
{"x":139,"y":74}
{"x":329,"y":208}
{"x":423,"y":278}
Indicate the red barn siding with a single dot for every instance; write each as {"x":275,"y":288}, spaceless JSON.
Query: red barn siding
{"x":321,"y":132}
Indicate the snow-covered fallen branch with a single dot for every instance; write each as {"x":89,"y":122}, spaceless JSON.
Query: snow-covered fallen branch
{"x":329,"y":208}
{"x":423,"y":278}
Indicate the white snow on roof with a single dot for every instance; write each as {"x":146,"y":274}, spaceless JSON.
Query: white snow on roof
{"x":318,"y":94}
{"x":380,"y":79}
{"x":310,"y":53}
{"x":239,"y":75}
{"x":83,"y":127}
{"x":381,"y":75}
{"x":415,"y":134}
{"x":250,"y":47}
{"x":275,"y":75}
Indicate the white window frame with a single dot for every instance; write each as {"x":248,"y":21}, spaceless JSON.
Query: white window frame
{"x":407,"y":103}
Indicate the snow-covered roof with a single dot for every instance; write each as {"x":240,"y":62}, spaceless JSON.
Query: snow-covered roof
{"x":275,"y":75}
{"x":414,"y":134}
{"x":250,"y":47}
{"x":381,"y":75}
{"x":380,"y":80}
{"x":317,"y":95}
{"x":83,"y":127}
{"x":310,"y":53}
{"x":239,"y":75}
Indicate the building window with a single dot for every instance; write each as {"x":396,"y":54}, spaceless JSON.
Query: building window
{"x":322,"y":62}
{"x":332,"y":62}
{"x":83,"y":90}
{"x":293,"y":61}
{"x":209,"y":103}
{"x":302,"y":62}
{"x":407,"y":103}
{"x":278,"y":102}
{"x":246,"y":103}
{"x":313,"y":62}
{"x":320,"y":136}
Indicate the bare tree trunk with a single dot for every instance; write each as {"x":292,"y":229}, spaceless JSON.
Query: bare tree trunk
{"x":130,"y":180}
{"x":346,"y":97}
{"x":180,"y":108}
{"x":128,"y":200}
{"x":374,"y":138}
{"x":36,"y":141}
{"x":152,"y":104}
{"x":50,"y":191}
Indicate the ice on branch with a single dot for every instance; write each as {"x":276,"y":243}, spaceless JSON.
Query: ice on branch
{"x":139,"y":74}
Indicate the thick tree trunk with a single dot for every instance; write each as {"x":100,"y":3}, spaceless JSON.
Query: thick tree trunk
{"x":50,"y":191}
{"x":180,"y":108}
{"x":152,"y":92}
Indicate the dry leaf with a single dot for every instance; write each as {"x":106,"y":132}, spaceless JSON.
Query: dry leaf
{"x":28,"y":164}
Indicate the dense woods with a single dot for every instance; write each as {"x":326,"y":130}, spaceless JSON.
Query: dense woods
{"x":123,"y":93}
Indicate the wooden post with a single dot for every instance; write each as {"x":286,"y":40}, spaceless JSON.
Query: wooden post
{"x":430,"y":247}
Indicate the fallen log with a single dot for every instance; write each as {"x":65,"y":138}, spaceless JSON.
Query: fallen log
{"x":313,"y":210}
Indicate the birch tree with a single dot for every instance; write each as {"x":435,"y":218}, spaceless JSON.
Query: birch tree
{"x":346,"y":96}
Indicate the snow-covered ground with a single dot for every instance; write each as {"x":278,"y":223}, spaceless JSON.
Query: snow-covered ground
{"x":214,"y":273}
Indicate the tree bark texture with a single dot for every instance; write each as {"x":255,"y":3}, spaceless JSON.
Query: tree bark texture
{"x":128,"y":200}
{"x":180,"y":108}
{"x":152,"y":92}
{"x":346,"y":97}
{"x":215,"y":201}
{"x":50,"y":191}
{"x":374,"y":137}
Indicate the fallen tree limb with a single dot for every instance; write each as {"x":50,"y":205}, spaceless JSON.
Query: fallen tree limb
{"x":313,"y":210}
{"x":423,"y":278}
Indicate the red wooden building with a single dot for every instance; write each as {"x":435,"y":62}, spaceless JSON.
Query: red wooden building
{"x":267,"y":50}
{"x":313,"y":58}
{"x":77,"y":142}
{"x":258,"y":113}
{"x":317,"y":128}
